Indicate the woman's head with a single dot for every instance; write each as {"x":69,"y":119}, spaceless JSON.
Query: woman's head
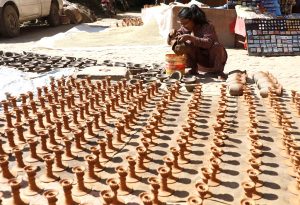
{"x":191,"y":16}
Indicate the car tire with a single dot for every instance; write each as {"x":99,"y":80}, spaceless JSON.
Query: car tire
{"x":9,"y":22}
{"x":53,"y":18}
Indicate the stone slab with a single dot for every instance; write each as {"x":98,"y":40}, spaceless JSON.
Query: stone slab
{"x":100,"y":72}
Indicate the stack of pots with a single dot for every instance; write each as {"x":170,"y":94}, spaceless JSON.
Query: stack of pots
{"x":236,"y":82}
{"x":266,"y":83}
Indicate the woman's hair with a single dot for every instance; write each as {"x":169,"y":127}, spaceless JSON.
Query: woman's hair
{"x":193,"y":13}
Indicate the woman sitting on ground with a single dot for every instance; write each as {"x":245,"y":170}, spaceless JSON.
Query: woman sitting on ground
{"x":197,"y":39}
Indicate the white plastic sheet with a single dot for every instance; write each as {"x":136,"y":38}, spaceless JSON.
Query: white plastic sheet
{"x":15,"y":82}
{"x":163,"y":15}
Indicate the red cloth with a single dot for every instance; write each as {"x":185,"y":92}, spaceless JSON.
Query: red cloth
{"x":232,"y":26}
{"x":240,"y":27}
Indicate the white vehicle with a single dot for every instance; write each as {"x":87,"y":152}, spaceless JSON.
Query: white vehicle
{"x":14,"y":12}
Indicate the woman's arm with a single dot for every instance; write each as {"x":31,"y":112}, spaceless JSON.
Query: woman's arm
{"x":172,"y":37}
{"x":208,"y":37}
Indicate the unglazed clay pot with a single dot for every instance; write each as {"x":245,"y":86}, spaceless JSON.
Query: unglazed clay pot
{"x":6,"y":174}
{"x":32,"y":188}
{"x":16,"y":199}
{"x":267,"y":83}
{"x":235,"y":82}
{"x":190,"y":87}
{"x":236,"y":89}
{"x":194,"y":200}
{"x":247,"y":201}
{"x":51,"y":196}
{"x":108,"y":197}
{"x":146,"y":198}
{"x":250,"y":190}
{"x":124,"y":189}
{"x":203,"y":191}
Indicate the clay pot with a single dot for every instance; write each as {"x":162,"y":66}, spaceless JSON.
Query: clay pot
{"x":170,"y":81}
{"x":256,"y":153}
{"x":256,"y":144}
{"x":162,"y":77}
{"x":146,"y":198}
{"x":67,"y":185}
{"x":120,"y":64}
{"x":264,"y":92}
{"x":189,"y":80}
{"x":250,"y":191}
{"x":202,"y":189}
{"x":177,"y":75}
{"x":259,"y":75}
{"x":150,"y":79}
{"x":51,"y":196}
{"x":155,"y":185}
{"x":236,"y":89}
{"x":190,"y":87}
{"x":17,"y":65}
{"x":247,"y":201}
{"x":6,"y":174}
{"x":236,"y":77}
{"x":15,"y":188}
{"x":206,"y":172}
{"x":253,"y":175}
{"x":164,"y":172}
{"x":108,"y":196}
{"x":252,"y":132}
{"x":135,"y":70}
{"x":194,"y":200}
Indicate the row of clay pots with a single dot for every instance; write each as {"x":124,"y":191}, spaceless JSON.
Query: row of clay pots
{"x":137,"y":21}
{"x":79,"y":171}
{"x":138,"y":70}
{"x":209,"y":173}
{"x":289,"y":145}
{"x":30,"y":62}
{"x":159,"y":185}
{"x":296,"y":100}
{"x":209,"y":177}
{"x":265,"y":82}
{"x":255,"y":151}
{"x":236,"y":82}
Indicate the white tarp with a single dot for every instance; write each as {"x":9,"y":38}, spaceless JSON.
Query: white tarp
{"x":163,"y":15}
{"x":15,"y":82}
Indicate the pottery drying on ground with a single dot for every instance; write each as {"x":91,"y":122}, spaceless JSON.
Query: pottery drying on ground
{"x":117,"y":142}
{"x":32,"y":62}
{"x":266,"y":83}
{"x":236,"y":82}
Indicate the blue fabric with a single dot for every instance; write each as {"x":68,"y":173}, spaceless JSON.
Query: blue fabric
{"x":272,"y":6}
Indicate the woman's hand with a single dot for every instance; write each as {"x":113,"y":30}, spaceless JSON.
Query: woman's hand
{"x":185,"y":38}
{"x":172,"y":33}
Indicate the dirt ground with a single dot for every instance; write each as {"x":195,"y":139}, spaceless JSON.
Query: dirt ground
{"x":141,"y":44}
{"x":144,"y":45}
